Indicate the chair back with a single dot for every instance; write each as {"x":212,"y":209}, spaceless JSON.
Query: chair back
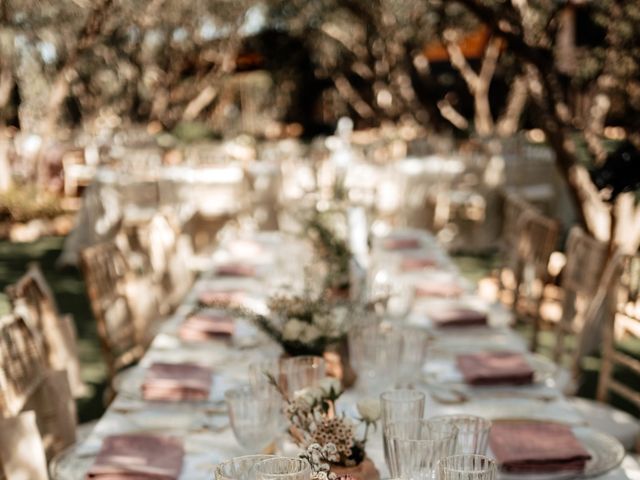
{"x":536,"y":241}
{"x":581,"y":276}
{"x":21,"y":363}
{"x":33,"y":297}
{"x":105,"y":272}
{"x":27,"y":461}
{"x":623,"y":323}
{"x":514,"y":207}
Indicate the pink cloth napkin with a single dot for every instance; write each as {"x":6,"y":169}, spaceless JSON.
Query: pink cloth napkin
{"x":205,"y":325}
{"x":411,"y":263}
{"x":438,"y":289}
{"x":533,"y":447}
{"x":175,"y":382}
{"x":401,"y":243}
{"x":236,"y":270}
{"x":495,"y":368}
{"x":220,"y":297}
{"x":138,"y":457}
{"x":459,"y":317}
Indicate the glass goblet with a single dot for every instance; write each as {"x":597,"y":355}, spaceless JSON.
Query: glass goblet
{"x":255,"y":416}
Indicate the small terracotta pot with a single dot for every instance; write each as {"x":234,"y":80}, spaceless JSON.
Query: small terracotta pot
{"x":366,"y":470}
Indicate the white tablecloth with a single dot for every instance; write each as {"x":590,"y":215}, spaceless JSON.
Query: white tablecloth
{"x":204,"y":427}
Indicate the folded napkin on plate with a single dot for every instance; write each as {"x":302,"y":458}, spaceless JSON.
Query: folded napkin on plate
{"x":411,"y":263}
{"x":459,"y":317}
{"x":176,"y":382}
{"x":495,"y":368}
{"x":236,"y":270}
{"x":220,"y":297}
{"x":138,"y":457}
{"x":533,"y":447}
{"x":438,"y":289}
{"x":401,"y":243}
{"x":205,"y":325}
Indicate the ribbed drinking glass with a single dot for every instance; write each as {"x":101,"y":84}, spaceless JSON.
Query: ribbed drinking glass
{"x":399,"y":405}
{"x":473,"y":432}
{"x":467,"y":467}
{"x":282,"y":468}
{"x":239,"y":468}
{"x":417,"y":446}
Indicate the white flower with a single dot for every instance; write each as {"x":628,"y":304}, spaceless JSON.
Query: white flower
{"x":330,"y":385}
{"x":305,"y":397}
{"x":309,"y":396}
{"x":370,"y":409}
{"x":310,"y":334}
{"x":293,"y":329}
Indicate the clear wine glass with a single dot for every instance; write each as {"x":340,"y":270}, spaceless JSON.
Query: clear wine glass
{"x":255,"y":416}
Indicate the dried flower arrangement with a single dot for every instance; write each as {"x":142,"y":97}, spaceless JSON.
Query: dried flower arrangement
{"x":329,"y":441}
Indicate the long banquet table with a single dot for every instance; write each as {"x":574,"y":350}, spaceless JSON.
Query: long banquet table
{"x":204,"y":427}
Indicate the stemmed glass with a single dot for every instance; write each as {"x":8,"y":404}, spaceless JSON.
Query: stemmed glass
{"x":399,"y":405}
{"x":255,"y":416}
{"x":467,"y":467}
{"x":473,"y":432}
{"x":282,"y":468}
{"x":238,"y":468}
{"x":417,"y":446}
{"x":375,"y":353}
{"x":414,"y":353}
{"x":302,"y":372}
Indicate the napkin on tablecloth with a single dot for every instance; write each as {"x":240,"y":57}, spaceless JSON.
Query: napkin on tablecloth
{"x":138,"y":457}
{"x":458,"y":317}
{"x":174,"y":382}
{"x":236,"y":270}
{"x":410,"y":263}
{"x":226,"y":297}
{"x":495,"y":368}
{"x":205,"y":325}
{"x":438,"y":289}
{"x":534,"y":447}
{"x":401,"y":243}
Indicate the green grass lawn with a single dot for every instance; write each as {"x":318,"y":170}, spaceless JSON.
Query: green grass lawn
{"x":68,"y":288}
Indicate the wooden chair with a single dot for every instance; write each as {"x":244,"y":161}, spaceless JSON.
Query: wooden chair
{"x":21,"y":363}
{"x":26,"y":384}
{"x":624,"y":321}
{"x":581,"y":276}
{"x":32,"y":296}
{"x":105,"y":271}
{"x":614,"y":312}
{"x":29,"y":460}
{"x":537,"y":238}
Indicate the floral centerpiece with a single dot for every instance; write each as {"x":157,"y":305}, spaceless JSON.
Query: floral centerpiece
{"x":330,"y":442}
{"x":304,"y":325}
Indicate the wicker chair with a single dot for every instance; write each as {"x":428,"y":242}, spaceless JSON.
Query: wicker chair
{"x":32,"y":296}
{"x":105,"y":271}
